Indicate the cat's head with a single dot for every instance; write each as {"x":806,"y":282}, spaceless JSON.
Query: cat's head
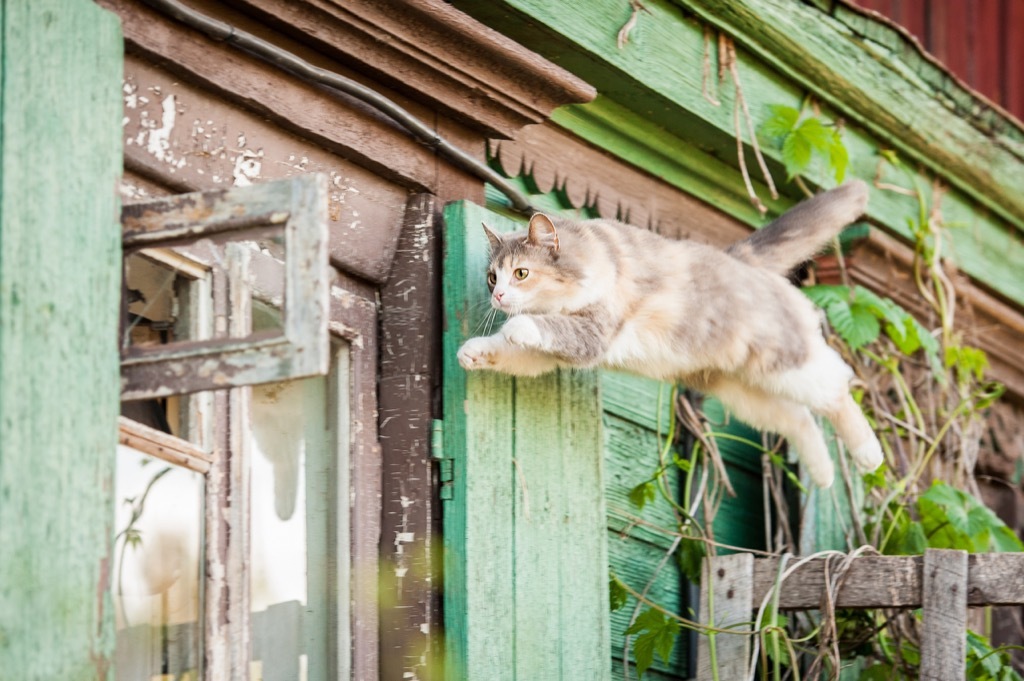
{"x":527,"y":271}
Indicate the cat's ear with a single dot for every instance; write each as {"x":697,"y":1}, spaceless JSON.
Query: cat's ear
{"x":492,"y":238}
{"x":542,"y":232}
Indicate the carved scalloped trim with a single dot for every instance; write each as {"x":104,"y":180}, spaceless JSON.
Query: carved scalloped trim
{"x":614,"y":189}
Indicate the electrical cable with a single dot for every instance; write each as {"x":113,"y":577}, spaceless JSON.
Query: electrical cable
{"x":224,"y":32}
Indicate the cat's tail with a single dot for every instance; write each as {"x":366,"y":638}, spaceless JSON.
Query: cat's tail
{"x":803,"y":231}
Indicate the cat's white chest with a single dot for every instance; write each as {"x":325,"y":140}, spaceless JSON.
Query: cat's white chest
{"x":639,"y":350}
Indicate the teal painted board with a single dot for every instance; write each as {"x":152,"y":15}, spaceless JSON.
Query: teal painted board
{"x":525,"y":558}
{"x":635,"y":563}
{"x":60,"y":268}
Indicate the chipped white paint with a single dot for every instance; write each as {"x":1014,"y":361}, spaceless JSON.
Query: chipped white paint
{"x":241,"y":140}
{"x":248,"y":165}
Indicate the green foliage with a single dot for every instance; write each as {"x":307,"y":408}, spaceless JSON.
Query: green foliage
{"x":948,"y":518}
{"x":643,"y":493}
{"x":654,"y":633}
{"x":691,"y":554}
{"x":985,"y":663}
{"x":803,"y":138}
{"x":954,"y":519}
{"x":858,"y":316}
{"x":617,"y":594}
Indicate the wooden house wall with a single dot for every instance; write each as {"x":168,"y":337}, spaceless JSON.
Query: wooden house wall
{"x":199,"y":114}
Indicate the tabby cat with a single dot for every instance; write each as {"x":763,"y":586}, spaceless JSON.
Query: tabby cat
{"x":599,"y":293}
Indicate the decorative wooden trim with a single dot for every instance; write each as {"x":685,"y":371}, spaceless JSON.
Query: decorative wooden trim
{"x":163,"y":446}
{"x":430,"y":51}
{"x":555,"y":159}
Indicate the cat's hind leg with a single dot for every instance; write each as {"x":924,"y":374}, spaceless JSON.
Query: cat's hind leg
{"x":779,"y":415}
{"x":823,"y":384}
{"x":855,"y":431}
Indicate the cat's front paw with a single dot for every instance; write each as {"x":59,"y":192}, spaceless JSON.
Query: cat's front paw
{"x":523,"y":332}
{"x":476,"y":353}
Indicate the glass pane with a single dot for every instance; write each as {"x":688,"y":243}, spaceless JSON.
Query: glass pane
{"x":290,"y":509}
{"x":157,"y":557}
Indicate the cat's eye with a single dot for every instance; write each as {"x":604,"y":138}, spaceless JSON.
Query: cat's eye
{"x":492,"y":278}
{"x":521,"y":273}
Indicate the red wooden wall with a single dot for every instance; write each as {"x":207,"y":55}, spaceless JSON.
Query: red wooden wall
{"x":981,"y":41}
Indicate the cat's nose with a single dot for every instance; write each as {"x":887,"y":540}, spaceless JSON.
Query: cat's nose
{"x":498,"y":296}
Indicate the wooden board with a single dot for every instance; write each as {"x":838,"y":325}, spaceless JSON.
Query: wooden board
{"x":893,"y":582}
{"x":725,"y":602}
{"x":526,"y":585}
{"x":60,"y":265}
{"x":944,"y":615}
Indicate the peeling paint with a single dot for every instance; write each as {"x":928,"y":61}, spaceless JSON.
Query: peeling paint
{"x":159,"y":138}
{"x":248,"y":165}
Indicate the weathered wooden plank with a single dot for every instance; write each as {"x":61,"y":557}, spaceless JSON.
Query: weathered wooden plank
{"x":873,"y":581}
{"x":163,"y":446}
{"x":944,"y":628}
{"x":526,"y":581}
{"x":60,"y":158}
{"x":583,"y":564}
{"x":725,"y":602}
{"x":539,"y":511}
{"x":410,"y":329}
{"x":893,"y":582}
{"x":479,"y":554}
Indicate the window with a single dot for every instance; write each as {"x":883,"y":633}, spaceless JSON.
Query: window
{"x":231,"y":552}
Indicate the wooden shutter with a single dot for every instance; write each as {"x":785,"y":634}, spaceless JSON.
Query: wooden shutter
{"x":60,"y":157}
{"x":526,"y":567}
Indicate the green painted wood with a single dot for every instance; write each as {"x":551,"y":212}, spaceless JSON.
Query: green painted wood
{"x":60,"y":254}
{"x":635,"y":562}
{"x":651,"y":111}
{"x":525,"y":559}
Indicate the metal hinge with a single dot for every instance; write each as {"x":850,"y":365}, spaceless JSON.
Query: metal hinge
{"x":445,"y":466}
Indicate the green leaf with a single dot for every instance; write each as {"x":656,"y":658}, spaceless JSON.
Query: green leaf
{"x":643,"y":493}
{"x":839,"y":157}
{"x":781,"y":122}
{"x":880,"y":671}
{"x":823,"y":295}
{"x":816,"y":134}
{"x":654,"y":633}
{"x":908,"y":540}
{"x":957,"y":520}
{"x":796,"y":154}
{"x":617,"y":594}
{"x":691,"y":555}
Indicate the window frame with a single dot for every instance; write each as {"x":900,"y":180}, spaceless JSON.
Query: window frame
{"x":296,"y":206}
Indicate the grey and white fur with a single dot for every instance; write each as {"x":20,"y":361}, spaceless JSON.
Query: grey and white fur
{"x":599,"y":293}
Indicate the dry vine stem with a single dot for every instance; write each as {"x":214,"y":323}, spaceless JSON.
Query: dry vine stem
{"x":727,"y":55}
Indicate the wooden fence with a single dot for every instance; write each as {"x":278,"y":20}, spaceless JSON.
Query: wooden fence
{"x":941,"y":582}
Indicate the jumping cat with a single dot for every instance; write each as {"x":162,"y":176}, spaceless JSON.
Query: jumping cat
{"x":599,"y":293}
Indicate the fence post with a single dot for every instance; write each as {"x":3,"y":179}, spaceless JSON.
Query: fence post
{"x":730,"y":579}
{"x":944,"y":605}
